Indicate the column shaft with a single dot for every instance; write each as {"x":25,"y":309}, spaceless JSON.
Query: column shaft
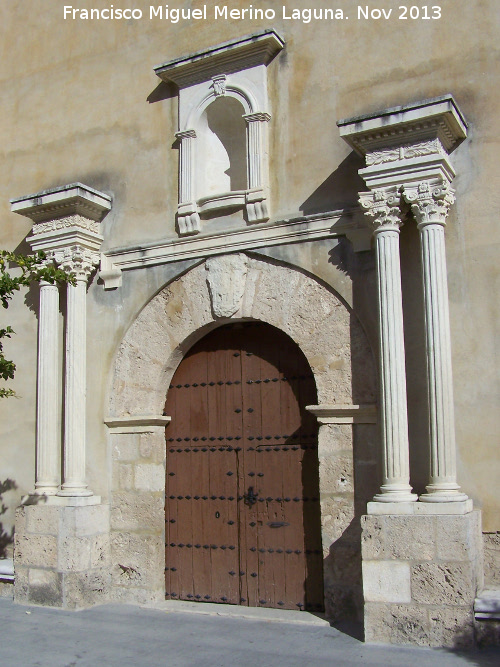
{"x":47,"y":427}
{"x":186,"y":166}
{"x":395,"y":453}
{"x":442,"y":483}
{"x":75,"y":393}
{"x":256,"y":143}
{"x":254,"y":158}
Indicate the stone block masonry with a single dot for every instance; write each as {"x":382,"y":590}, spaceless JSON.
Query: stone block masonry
{"x":138,"y":514}
{"x":62,"y":555}
{"x":420,"y":577}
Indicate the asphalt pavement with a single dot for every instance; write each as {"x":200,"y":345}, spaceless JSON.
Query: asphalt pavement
{"x":123,"y":635}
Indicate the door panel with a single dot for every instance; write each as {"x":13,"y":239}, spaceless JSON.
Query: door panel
{"x":242,"y":500}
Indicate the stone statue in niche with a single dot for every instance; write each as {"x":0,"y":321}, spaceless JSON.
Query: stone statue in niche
{"x":226,"y":279}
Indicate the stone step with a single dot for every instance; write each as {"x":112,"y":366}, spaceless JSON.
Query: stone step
{"x":487,"y":605}
{"x":6,"y":569}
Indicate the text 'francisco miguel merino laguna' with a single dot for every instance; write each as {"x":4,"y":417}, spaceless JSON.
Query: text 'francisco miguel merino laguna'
{"x":224,"y":12}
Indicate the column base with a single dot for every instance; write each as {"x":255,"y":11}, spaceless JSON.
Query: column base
{"x":396,"y":497}
{"x":443,"y":495}
{"x":60,"y":501}
{"x":77,"y":492}
{"x":462,"y":507}
{"x":45,"y":491}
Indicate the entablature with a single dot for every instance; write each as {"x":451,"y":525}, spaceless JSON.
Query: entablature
{"x":345,"y":222}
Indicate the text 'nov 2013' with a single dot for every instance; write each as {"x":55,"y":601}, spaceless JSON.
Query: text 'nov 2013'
{"x":225,"y":12}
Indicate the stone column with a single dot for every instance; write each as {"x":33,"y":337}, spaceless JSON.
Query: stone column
{"x":79,"y":261}
{"x":383,"y":210}
{"x":430,"y":204}
{"x":47,"y":426}
{"x":256,"y":206}
{"x":188,"y":218}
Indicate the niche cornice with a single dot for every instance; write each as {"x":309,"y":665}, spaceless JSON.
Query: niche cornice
{"x":226,"y":58}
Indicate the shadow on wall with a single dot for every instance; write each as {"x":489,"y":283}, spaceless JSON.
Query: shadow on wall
{"x":339,"y":190}
{"x":6,"y":536}
{"x":343,"y":565}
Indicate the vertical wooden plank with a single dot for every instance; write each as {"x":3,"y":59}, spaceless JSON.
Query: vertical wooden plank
{"x":223,"y":555}
{"x":170,"y":515}
{"x":198,"y":406}
{"x":249,"y":463}
{"x":271,"y":576}
{"x":181,"y":479}
{"x":294,"y":542}
{"x":234,"y":443}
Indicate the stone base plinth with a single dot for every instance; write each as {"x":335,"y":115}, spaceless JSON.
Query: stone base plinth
{"x":6,"y":589}
{"x":62,"y":555}
{"x":421,"y":574}
{"x":459,"y":507}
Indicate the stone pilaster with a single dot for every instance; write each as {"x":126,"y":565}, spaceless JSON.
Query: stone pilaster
{"x":384,"y":213}
{"x":430,"y":203}
{"x":62,"y":544}
{"x":407,"y":149}
{"x":188,"y":218}
{"x":47,"y":422}
{"x":67,"y":229}
{"x":256,"y":200}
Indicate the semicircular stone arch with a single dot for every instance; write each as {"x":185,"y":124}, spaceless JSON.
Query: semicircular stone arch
{"x":220,"y":290}
{"x":329,"y":335}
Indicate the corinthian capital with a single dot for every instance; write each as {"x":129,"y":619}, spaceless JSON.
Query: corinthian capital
{"x":78,"y":260}
{"x":429,"y":202}
{"x":383,"y":208}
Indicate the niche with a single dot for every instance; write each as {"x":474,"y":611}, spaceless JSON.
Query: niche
{"x":223,"y":129}
{"x":222,"y":163}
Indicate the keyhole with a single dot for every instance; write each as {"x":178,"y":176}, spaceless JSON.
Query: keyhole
{"x":217,"y":515}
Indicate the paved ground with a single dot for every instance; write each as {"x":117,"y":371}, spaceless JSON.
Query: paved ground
{"x":118,"y":635}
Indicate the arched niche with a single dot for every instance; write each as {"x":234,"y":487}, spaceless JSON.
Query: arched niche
{"x":223,"y":162}
{"x":221,"y":132}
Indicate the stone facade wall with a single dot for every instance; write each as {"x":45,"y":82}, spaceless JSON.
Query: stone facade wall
{"x":421,"y":575}
{"x":491,"y":560}
{"x":138,"y":516}
{"x":348,"y":479}
{"x":62,"y":555}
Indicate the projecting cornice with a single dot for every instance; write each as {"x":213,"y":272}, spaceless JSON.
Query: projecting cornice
{"x":424,"y":121}
{"x":67,"y":219}
{"x":233,"y":56}
{"x":65,"y":200}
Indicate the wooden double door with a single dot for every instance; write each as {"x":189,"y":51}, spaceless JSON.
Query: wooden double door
{"x":242,"y":512}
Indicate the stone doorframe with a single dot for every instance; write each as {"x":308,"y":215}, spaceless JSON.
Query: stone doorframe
{"x":225,"y":289}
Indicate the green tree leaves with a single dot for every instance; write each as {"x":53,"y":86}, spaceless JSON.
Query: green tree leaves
{"x":29,"y":269}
